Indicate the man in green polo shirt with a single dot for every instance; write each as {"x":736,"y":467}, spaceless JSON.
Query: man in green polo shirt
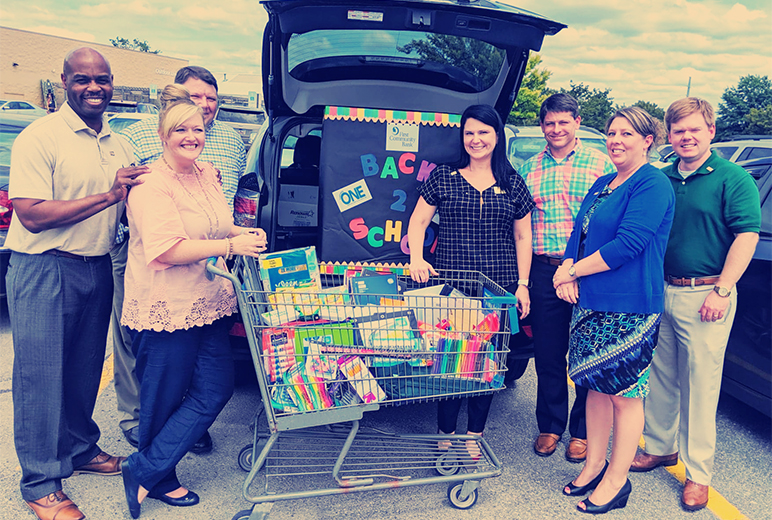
{"x":713,"y":238}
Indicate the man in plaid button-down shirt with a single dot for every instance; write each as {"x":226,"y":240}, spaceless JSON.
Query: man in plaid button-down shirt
{"x":558,"y":178}
{"x":224,"y":148}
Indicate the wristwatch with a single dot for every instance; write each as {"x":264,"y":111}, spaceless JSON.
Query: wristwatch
{"x":572,"y":271}
{"x":524,"y":281}
{"x":722,"y":291}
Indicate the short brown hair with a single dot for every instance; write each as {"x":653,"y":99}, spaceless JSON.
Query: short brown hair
{"x":641,"y":121}
{"x":687,"y":106}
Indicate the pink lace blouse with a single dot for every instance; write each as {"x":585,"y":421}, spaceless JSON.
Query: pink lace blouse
{"x":164,"y":210}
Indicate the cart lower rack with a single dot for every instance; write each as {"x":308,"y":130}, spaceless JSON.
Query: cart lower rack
{"x":327,"y":352}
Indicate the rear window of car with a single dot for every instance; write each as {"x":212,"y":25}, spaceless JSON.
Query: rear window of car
{"x":463,"y":64}
{"x":725,"y":152}
{"x":232,"y":116}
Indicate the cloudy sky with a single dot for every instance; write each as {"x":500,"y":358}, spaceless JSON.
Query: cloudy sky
{"x":640,"y":49}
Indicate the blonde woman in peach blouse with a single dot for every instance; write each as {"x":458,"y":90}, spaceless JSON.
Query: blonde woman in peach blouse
{"x":178,"y":318}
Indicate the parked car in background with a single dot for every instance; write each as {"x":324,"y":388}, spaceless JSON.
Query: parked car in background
{"x":523,"y":142}
{"x":751,"y":147}
{"x":245,"y":120}
{"x":122,"y":107}
{"x":11,"y":126}
{"x":748,"y":362}
{"x":119,"y":122}
{"x":21,"y":108}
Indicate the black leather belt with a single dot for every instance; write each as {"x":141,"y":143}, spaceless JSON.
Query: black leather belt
{"x":65,"y":254}
{"x":551,"y":260}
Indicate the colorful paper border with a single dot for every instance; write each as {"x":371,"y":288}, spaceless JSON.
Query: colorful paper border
{"x":392,"y":116}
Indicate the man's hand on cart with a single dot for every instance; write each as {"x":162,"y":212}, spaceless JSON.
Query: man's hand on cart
{"x":421,"y":270}
{"x":251,"y":242}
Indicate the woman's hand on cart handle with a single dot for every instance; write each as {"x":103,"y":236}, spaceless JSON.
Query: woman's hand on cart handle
{"x":421,"y":270}
{"x":250,"y":244}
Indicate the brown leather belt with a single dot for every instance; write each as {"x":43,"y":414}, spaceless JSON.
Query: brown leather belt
{"x":551,"y":260}
{"x":65,"y":254}
{"x":691,"y":282}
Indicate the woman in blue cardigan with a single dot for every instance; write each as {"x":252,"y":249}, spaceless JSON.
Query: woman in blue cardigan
{"x":613,"y":272}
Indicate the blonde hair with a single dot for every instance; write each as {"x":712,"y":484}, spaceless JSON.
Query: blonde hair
{"x":641,"y":121}
{"x":687,"y":106}
{"x":176,"y":108}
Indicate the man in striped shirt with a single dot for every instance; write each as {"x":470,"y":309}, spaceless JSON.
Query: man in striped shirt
{"x":558,"y":178}
{"x":224,"y":148}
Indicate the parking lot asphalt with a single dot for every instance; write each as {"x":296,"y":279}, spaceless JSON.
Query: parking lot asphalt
{"x":528,"y":488}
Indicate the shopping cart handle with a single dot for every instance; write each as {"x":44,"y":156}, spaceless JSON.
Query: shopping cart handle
{"x":511,"y":300}
{"x":212,"y":269}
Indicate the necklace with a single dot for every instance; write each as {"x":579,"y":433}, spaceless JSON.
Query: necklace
{"x":214,"y":225}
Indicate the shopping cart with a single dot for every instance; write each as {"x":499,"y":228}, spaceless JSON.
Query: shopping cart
{"x":325,"y":356}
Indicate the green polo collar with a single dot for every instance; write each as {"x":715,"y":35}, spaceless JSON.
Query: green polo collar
{"x":705,"y":168}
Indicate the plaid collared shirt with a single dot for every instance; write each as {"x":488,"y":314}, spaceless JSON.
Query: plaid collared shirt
{"x":558,"y":189}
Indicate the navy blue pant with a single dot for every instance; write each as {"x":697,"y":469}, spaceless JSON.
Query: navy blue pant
{"x":186,"y":379}
{"x":60,"y":311}
{"x":550,"y":320}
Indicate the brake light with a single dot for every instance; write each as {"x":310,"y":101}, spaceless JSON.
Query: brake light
{"x":6,"y":210}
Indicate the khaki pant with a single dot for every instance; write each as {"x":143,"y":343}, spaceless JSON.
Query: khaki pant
{"x":685,"y":381}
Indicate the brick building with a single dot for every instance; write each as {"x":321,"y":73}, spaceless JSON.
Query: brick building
{"x":29,"y":60}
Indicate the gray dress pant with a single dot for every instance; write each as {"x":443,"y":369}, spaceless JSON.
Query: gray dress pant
{"x":126,"y":383}
{"x":59,"y":309}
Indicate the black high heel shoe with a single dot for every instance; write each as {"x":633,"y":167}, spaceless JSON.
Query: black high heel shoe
{"x":131,"y":488}
{"x":575,"y":491}
{"x":618,"y":502}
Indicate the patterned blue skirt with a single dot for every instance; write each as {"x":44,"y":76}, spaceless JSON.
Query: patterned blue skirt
{"x":611,"y":352}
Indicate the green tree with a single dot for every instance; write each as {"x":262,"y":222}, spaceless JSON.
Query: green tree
{"x":134,"y":45}
{"x":751,"y":92}
{"x":532,"y":93}
{"x":652,"y":108}
{"x":482,"y":61}
{"x":595,"y":106}
{"x":759,"y":121}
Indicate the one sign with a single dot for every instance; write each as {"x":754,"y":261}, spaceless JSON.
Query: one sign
{"x":372,"y":164}
{"x":153,"y":92}
{"x":252,"y":99}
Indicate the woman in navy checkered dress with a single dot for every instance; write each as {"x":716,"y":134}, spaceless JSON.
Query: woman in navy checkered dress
{"x":485,"y":225}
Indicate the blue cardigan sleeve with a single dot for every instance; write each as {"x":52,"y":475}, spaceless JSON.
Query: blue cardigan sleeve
{"x":650,"y":198}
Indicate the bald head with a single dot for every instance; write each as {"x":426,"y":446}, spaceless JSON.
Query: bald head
{"x":87,"y":77}
{"x":83,"y":53}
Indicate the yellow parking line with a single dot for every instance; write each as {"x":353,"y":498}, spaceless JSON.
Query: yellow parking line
{"x":719,"y":505}
{"x":107,"y":373}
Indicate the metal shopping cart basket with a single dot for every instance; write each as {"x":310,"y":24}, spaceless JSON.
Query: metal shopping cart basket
{"x":323,"y":356}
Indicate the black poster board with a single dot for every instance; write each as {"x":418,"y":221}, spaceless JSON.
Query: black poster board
{"x":372,"y":163}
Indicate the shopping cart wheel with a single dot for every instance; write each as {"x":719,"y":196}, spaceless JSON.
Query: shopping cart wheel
{"x":447,"y":464}
{"x":245,"y":458}
{"x":454,"y":495}
{"x":248,"y":514}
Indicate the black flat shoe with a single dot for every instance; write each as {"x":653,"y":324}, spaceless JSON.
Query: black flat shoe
{"x":132,"y":436}
{"x":190,"y":499}
{"x":618,"y":502}
{"x":131,"y":488}
{"x":575,"y":491}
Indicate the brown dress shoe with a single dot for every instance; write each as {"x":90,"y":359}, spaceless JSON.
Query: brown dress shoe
{"x":576,"y":451}
{"x":695,"y":496}
{"x":102,"y":464}
{"x":545,"y":444}
{"x":646,"y":462}
{"x":55,"y":506}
